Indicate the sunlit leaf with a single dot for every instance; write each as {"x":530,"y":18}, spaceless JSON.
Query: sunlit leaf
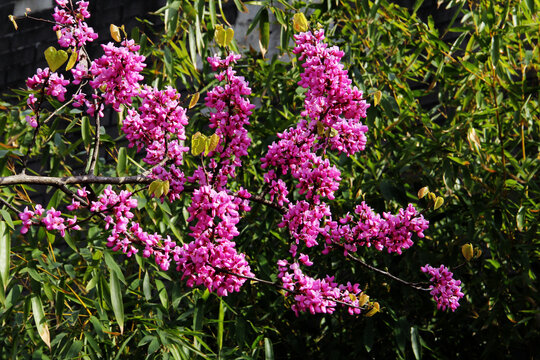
{"x":55,"y":58}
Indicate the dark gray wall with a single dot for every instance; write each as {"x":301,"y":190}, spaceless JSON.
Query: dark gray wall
{"x":21,"y":51}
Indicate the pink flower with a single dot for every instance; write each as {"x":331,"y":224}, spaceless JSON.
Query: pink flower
{"x":445,"y":291}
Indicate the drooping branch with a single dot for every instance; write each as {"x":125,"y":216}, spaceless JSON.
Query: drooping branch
{"x":417,"y":286}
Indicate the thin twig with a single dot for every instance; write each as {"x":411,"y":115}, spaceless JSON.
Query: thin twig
{"x":11,"y":207}
{"x":417,"y":286}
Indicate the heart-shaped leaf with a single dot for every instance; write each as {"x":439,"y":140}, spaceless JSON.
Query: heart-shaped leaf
{"x":55,"y":58}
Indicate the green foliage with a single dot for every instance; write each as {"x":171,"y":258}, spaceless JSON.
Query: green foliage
{"x":455,"y":109}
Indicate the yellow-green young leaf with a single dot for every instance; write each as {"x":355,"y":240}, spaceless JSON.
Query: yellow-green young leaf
{"x":219,"y":35}
{"x":438,"y":202}
{"x":213,"y":142}
{"x":423,"y":192}
{"x":363,"y":299}
{"x":115,"y":33}
{"x":320,"y":128}
{"x":194,"y":100}
{"x":39,"y":318}
{"x":153,"y":186}
{"x":300,"y":23}
{"x":5,"y":249}
{"x":432,"y":196}
{"x":229,"y":36}
{"x":332,"y":132}
{"x":72,"y":60}
{"x":198,"y":143}
{"x":377,"y":97}
{"x":375,"y":307}
{"x":12,"y":19}
{"x":467,"y":251}
{"x":55,"y":58}
{"x":165,"y":186}
{"x":159,"y":189}
{"x":117,"y":301}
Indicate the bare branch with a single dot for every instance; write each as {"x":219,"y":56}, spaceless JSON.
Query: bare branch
{"x":67,"y":180}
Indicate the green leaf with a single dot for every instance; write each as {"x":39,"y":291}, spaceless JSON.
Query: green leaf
{"x":40,"y":320}
{"x":495,"y":50}
{"x":212,"y":10}
{"x":55,"y":58}
{"x":264,"y":32}
{"x":520,"y":219}
{"x":162,"y":292}
{"x":85,"y":131}
{"x":268,"y":349}
{"x":417,"y":349}
{"x":5,"y":250}
{"x":221,"y":318}
{"x":122,"y":162}
{"x":116,"y":300}
{"x":7,"y":218}
{"x":113,"y":267}
{"x":147,"y":290}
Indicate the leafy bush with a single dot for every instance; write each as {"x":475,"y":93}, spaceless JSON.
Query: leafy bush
{"x":454,"y":109}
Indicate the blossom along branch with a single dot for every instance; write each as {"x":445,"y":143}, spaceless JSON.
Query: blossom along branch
{"x":155,"y":123}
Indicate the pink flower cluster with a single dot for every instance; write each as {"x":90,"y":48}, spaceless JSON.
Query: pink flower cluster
{"x":211,"y":259}
{"x":316,"y":295}
{"x":446,"y":291}
{"x":120,"y":206}
{"x":53,"y":220}
{"x":158,"y":127}
{"x":74,"y":31}
{"x":55,"y":85}
{"x":393,"y":232}
{"x":51,"y":83}
{"x":233,"y":109}
{"x":305,"y":221}
{"x":330,"y":99}
{"x":117,"y":73}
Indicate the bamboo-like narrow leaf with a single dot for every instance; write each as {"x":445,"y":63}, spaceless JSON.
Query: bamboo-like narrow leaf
{"x":122,"y":162}
{"x":162,"y":292}
{"x":7,"y":218}
{"x":415,"y":343}
{"x":268,"y":349}
{"x":39,"y":318}
{"x":116,"y":300}
{"x":212,"y":10}
{"x":5,"y":248}
{"x":85,"y":131}
{"x":221,"y":318}
{"x":264,"y":32}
